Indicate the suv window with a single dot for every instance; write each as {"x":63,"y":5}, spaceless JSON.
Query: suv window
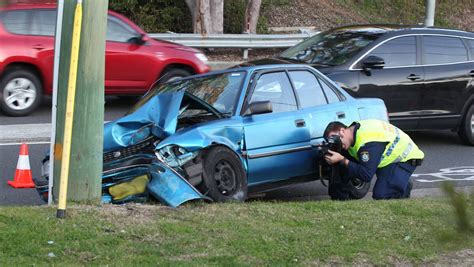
{"x":276,"y":88}
{"x":308,"y":89}
{"x":470,"y":44}
{"x":44,"y":23}
{"x":440,"y":49}
{"x":117,"y":31}
{"x":397,"y":52}
{"x":17,"y":21}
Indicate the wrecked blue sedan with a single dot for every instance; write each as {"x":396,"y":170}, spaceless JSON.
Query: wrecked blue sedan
{"x":225,"y":134}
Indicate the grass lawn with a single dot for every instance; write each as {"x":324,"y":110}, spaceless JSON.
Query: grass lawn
{"x":412,"y":231}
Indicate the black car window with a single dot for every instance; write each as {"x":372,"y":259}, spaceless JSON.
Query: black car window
{"x":397,"y":52}
{"x":276,"y":88}
{"x":441,"y":49}
{"x":334,"y":47}
{"x":330,"y":94}
{"x":44,"y":23}
{"x":118,"y":31}
{"x":18,"y":21}
{"x":308,"y":89}
{"x":470,"y":44}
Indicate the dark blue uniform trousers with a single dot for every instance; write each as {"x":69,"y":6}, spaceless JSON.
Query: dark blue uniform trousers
{"x":393,"y":181}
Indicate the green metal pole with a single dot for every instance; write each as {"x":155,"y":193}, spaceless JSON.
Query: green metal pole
{"x":85,"y":168}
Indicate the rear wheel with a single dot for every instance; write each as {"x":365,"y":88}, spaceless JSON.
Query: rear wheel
{"x":466,"y":131}
{"x":358,"y":188}
{"x":224,"y":177}
{"x":174,"y":74}
{"x":20,"y":93}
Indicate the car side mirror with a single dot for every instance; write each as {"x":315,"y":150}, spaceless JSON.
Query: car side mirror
{"x":373,"y":62}
{"x":139,"y":40}
{"x":259,"y":107}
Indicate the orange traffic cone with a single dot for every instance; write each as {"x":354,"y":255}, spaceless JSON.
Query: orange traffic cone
{"x":23,"y":177}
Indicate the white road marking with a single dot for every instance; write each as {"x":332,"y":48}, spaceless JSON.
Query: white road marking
{"x":464,"y":173}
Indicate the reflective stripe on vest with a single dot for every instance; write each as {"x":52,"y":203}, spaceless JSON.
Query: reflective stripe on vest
{"x":400,"y":147}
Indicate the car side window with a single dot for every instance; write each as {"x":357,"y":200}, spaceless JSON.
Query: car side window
{"x":470,"y":44}
{"x":276,"y":88}
{"x":44,"y":23}
{"x":441,"y":49}
{"x":18,"y":21}
{"x":117,"y":31}
{"x":330,"y":94}
{"x":397,"y":52}
{"x":308,"y":89}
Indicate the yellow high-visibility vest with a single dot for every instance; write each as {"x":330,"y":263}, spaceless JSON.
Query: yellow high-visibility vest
{"x":400,"y":147}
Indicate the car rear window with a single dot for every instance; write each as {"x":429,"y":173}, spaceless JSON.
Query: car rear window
{"x":441,"y":49}
{"x":17,"y":21}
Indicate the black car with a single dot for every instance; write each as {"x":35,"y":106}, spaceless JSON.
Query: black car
{"x":424,"y":75}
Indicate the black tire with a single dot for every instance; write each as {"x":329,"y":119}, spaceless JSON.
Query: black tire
{"x":466,"y":131}
{"x":358,"y":188}
{"x":224,"y":177}
{"x":23,"y":90}
{"x":174,"y":74}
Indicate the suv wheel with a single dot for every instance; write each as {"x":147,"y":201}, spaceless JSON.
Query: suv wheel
{"x":174,"y":74}
{"x":466,"y":131}
{"x":20,"y":93}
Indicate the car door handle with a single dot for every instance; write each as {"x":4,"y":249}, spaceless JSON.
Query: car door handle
{"x":38,"y":47}
{"x":341,"y":115}
{"x":300,"y":123}
{"x":471,"y":73}
{"x":414,"y":77}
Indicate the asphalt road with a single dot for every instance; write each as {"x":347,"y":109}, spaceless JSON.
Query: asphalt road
{"x":445,"y":159}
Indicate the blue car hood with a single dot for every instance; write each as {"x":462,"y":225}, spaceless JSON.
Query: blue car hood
{"x":158,"y":116}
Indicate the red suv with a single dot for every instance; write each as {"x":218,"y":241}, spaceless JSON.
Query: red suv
{"x":133,"y":60}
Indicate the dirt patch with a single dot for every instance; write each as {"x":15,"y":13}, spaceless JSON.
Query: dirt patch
{"x":323,"y":14}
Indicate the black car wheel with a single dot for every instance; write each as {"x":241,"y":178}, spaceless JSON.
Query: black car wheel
{"x":20,"y":93}
{"x":466,"y":131}
{"x":174,"y":74}
{"x":224,"y":178}
{"x":358,"y":188}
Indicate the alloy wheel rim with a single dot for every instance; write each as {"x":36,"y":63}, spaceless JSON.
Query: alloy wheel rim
{"x":225,"y":177}
{"x":472,"y":125}
{"x":19,"y":94}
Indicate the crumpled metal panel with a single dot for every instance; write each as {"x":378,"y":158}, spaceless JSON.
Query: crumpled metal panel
{"x":170,"y":188}
{"x":227,"y":132}
{"x":158,"y":116}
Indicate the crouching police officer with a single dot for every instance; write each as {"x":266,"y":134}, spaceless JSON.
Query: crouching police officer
{"x":374,"y":147}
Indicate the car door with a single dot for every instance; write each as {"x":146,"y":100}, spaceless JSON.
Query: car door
{"x":321,"y":104}
{"x":126,"y":70}
{"x":277,"y":143}
{"x":399,"y":83}
{"x":448,"y":81}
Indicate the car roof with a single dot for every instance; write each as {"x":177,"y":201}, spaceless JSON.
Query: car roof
{"x":397,"y":29}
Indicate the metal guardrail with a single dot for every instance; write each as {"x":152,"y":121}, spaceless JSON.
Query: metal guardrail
{"x":244,"y":41}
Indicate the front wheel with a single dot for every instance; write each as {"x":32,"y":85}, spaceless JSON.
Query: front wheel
{"x":173,"y":74}
{"x":20,"y":93}
{"x":466,"y":131}
{"x":224,"y":177}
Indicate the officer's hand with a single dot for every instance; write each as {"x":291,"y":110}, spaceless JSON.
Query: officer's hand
{"x":332,"y":157}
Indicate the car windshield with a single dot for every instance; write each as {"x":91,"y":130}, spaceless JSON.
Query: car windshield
{"x":220,"y":91}
{"x":332,"y":48}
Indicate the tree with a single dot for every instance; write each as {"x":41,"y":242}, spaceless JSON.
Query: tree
{"x":251,"y":16}
{"x":208,"y":16}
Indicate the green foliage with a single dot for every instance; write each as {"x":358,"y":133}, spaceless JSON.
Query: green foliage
{"x":156,"y":15}
{"x":460,"y":203}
